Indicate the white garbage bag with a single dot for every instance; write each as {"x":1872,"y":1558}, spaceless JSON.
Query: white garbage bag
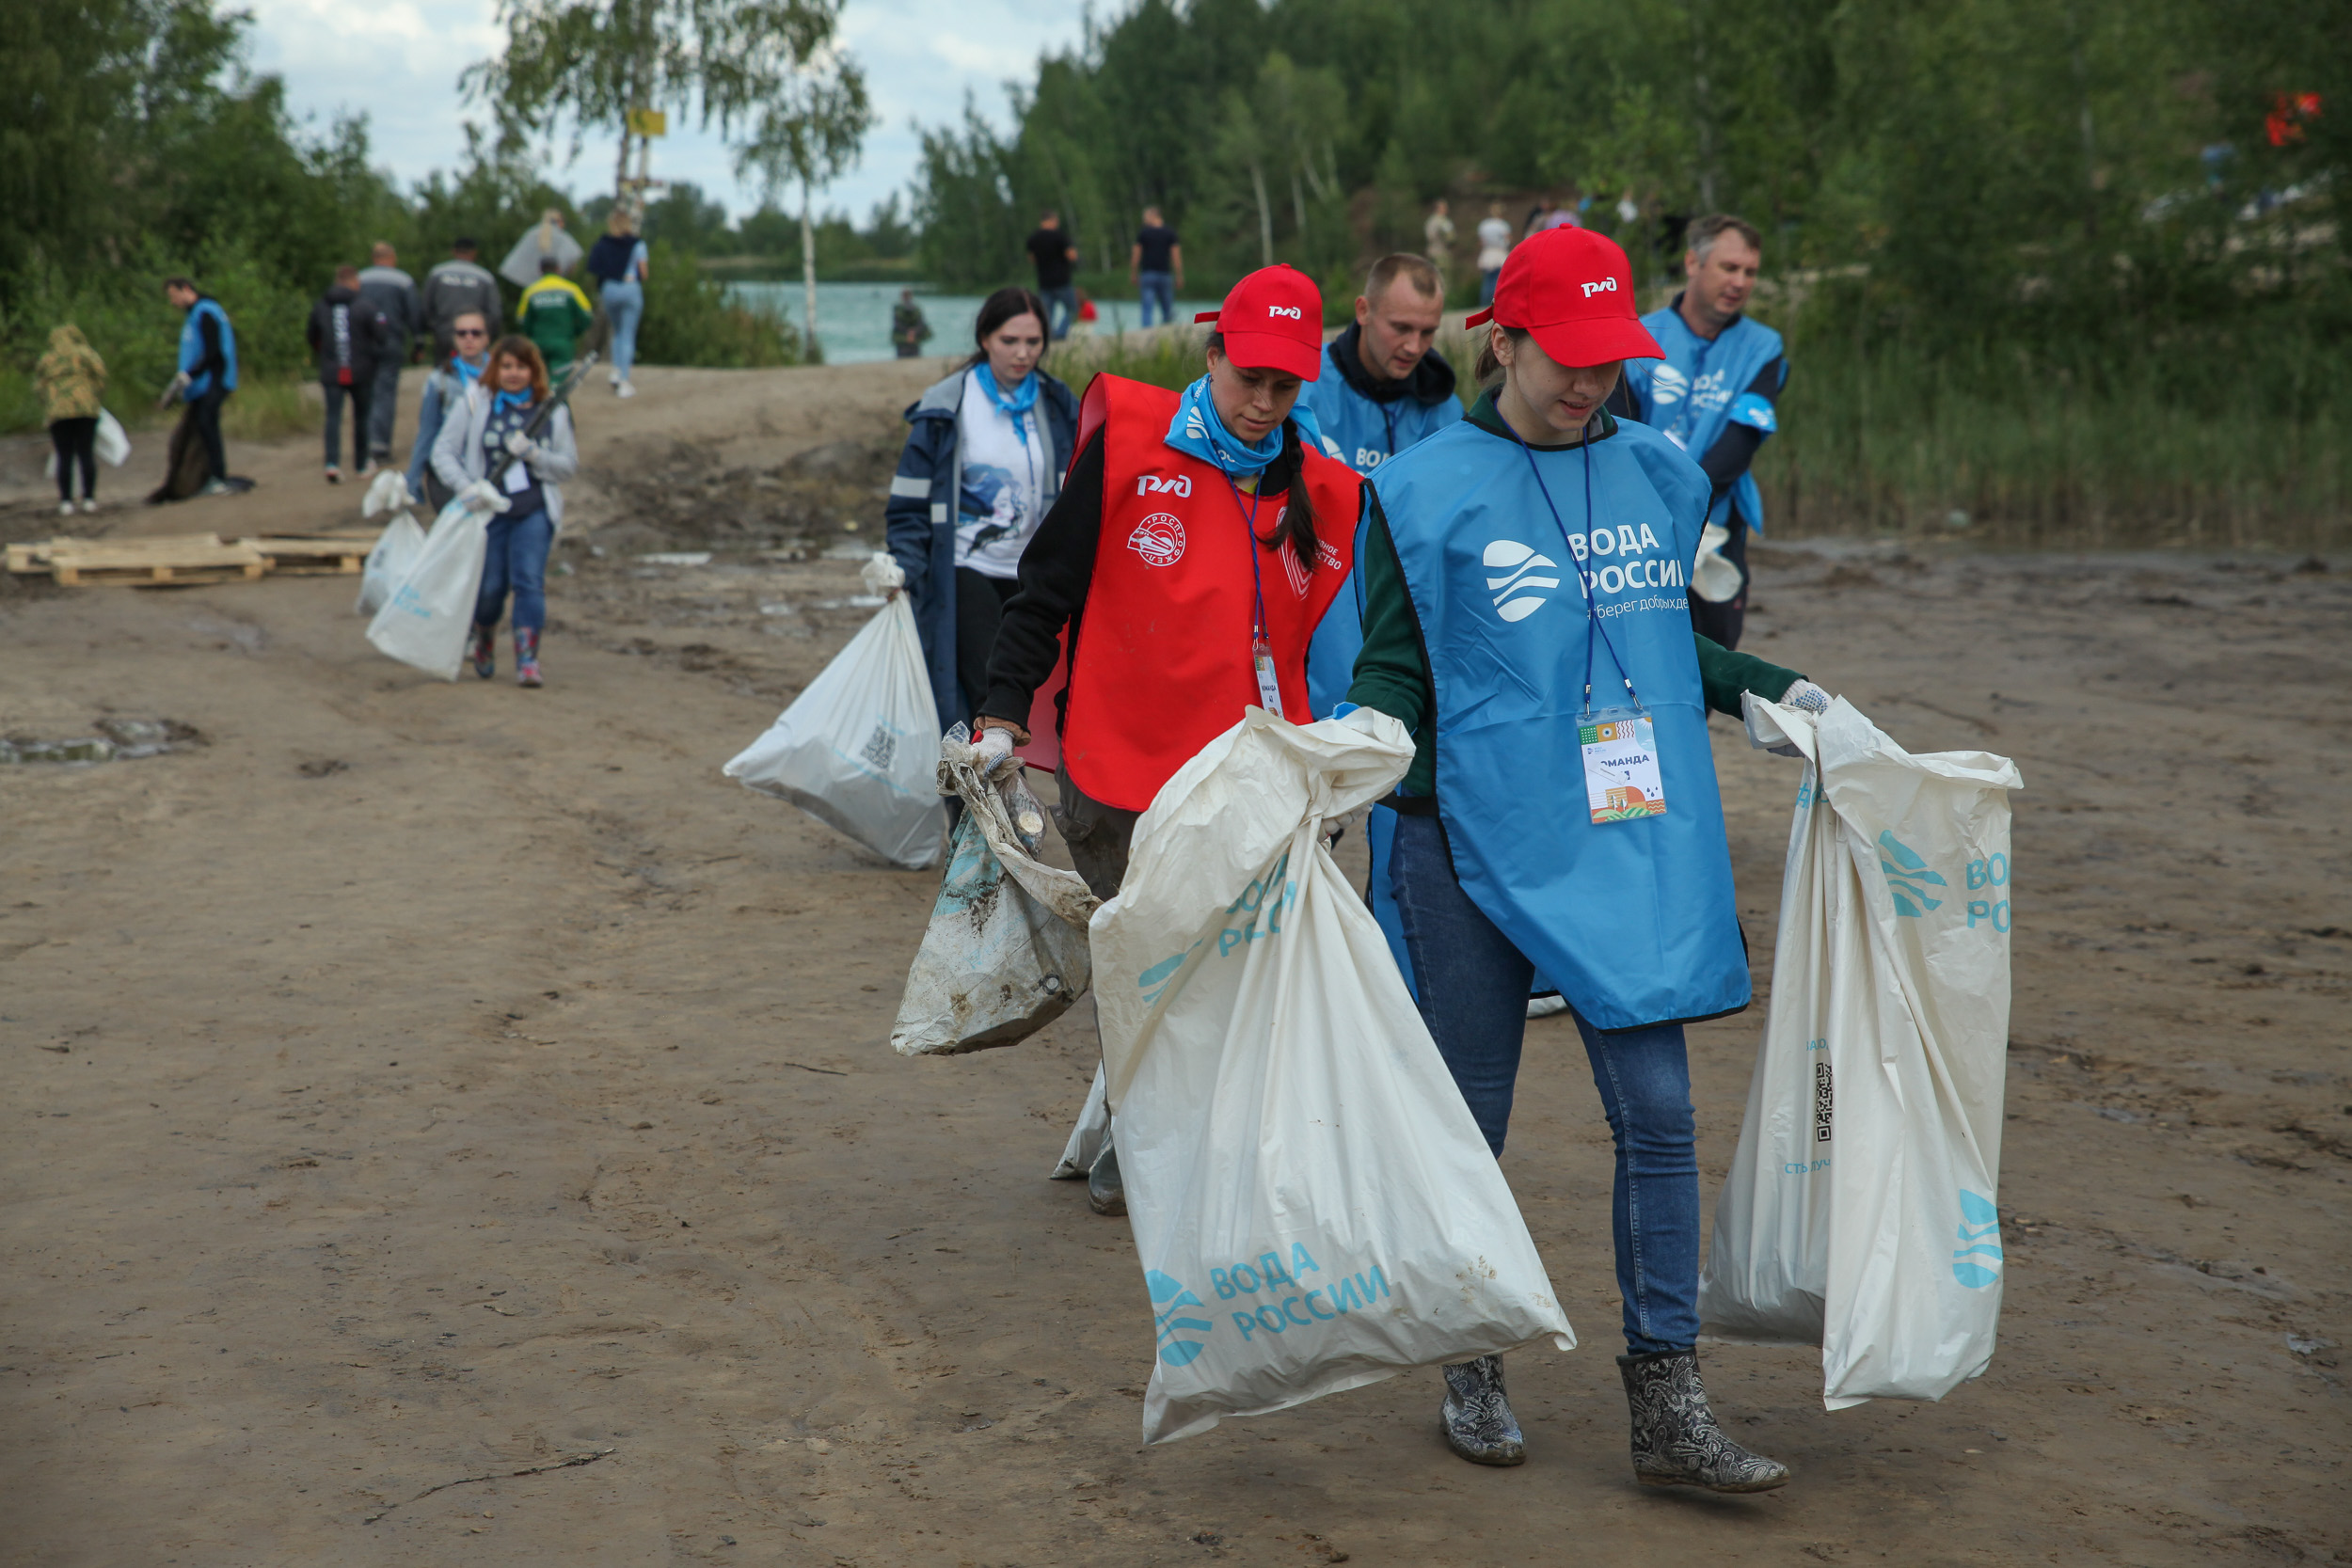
{"x":430,"y":609}
{"x":856,"y":750}
{"x":1861,"y":1213}
{"x":1313,"y":1207}
{"x":1086,"y":1139}
{"x":396,"y":550}
{"x":112,"y":445}
{"x":1006,"y":951}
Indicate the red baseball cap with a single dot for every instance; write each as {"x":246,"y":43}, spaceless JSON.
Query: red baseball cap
{"x":1572,"y":290}
{"x":1272,"y":320}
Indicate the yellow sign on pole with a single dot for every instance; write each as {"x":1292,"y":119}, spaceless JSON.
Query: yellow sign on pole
{"x":648,"y":122}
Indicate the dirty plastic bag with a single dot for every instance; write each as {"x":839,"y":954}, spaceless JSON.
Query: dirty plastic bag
{"x":1861,"y":1213}
{"x":1006,"y":951}
{"x":430,"y":607}
{"x":855,"y":750}
{"x":1313,"y":1205}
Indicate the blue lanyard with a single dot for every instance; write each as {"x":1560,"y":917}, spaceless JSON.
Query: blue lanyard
{"x":1249,"y":521}
{"x":1584,"y":575}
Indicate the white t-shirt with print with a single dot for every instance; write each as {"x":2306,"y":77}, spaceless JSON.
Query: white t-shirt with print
{"x":1004,"y":483}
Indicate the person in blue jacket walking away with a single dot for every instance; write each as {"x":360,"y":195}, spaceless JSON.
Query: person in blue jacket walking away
{"x":982,"y":463}
{"x":1524,"y":620}
{"x":208,"y":373}
{"x":1714,"y":394}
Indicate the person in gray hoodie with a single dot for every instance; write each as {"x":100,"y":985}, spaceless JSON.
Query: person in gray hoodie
{"x":393,"y":292}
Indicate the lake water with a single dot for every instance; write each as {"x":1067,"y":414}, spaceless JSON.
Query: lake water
{"x":854,"y":319}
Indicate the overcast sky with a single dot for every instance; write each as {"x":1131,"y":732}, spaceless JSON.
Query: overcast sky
{"x":398,"y":62}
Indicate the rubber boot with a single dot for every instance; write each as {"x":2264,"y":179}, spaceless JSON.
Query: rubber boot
{"x":1676,"y":1440}
{"x":527,"y":655}
{"x":1476,"y":1416}
{"x":486,"y":650}
{"x":1105,"y":1193}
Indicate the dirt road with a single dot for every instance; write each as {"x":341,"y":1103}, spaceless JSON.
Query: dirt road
{"x":453,"y":1124}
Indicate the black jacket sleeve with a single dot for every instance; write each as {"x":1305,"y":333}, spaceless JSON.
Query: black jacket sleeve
{"x":1736,"y":447}
{"x":1057,"y":569}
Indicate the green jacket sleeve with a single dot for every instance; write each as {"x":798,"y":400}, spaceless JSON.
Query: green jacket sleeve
{"x":1392,"y":672}
{"x":1725,"y":674}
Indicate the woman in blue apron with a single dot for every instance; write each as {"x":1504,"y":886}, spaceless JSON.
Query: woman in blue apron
{"x":1524,"y":576}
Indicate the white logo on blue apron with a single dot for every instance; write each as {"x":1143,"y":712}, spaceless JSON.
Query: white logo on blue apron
{"x":1517,"y":591}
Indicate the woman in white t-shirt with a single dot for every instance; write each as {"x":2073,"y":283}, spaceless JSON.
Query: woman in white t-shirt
{"x":981,"y":465}
{"x":1494,"y":248}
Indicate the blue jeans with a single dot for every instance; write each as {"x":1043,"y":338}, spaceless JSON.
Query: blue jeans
{"x":625,"y":302}
{"x":1474,"y":997}
{"x":1062,"y":305}
{"x":516,"y":559}
{"x":1157,"y":288}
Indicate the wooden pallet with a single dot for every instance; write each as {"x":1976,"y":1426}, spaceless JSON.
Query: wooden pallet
{"x":152,"y":562}
{"x":337,"y":553}
{"x":32,"y":557}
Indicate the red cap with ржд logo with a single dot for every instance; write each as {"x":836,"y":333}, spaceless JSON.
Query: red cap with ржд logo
{"x":1572,"y":291}
{"x":1272,"y":320}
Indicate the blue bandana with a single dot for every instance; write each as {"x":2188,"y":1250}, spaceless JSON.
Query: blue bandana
{"x":1198,"y":432}
{"x":1021,"y":400}
{"x":504,"y":401}
{"x":467,"y":375}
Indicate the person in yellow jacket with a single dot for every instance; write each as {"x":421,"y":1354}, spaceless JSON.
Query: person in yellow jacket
{"x":554,"y":314}
{"x":72,"y":379}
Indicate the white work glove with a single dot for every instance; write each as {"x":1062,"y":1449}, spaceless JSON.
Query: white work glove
{"x":389,"y":492}
{"x":1806,"y":695}
{"x":522,"y":446}
{"x":483,"y":496}
{"x":171,"y":394}
{"x":995,"y":751}
{"x":883,"y":574}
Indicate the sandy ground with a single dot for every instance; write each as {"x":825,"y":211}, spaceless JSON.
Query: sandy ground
{"x":453,"y":1125}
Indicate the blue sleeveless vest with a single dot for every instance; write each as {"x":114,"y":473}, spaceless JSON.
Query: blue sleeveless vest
{"x":1632,"y":920}
{"x":1700,"y":386}
{"x":192,"y":346}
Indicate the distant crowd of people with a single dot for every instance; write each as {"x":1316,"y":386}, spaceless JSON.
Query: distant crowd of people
{"x":370,"y":324}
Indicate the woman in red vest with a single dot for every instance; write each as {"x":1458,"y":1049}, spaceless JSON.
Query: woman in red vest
{"x":1197,"y":542}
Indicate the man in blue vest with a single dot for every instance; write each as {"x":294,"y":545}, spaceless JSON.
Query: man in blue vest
{"x":1381,"y":390}
{"x":1714,"y":396}
{"x":1381,"y":387}
{"x":208,"y":373}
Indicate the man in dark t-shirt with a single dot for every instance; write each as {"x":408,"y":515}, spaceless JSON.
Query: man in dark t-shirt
{"x":1156,"y":266}
{"x":1052,"y":252}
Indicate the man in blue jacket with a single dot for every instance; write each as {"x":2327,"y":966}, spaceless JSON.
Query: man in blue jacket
{"x":208,"y":372}
{"x":1714,"y":395}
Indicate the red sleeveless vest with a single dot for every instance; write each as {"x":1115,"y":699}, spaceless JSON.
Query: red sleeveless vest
{"x":1161,"y":666}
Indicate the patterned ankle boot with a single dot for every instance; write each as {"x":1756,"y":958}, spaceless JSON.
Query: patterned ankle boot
{"x":527,"y":655}
{"x":1676,"y":1440}
{"x":1476,"y":1416}
{"x":486,"y":651}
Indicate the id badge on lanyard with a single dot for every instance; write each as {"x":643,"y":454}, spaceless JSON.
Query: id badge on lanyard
{"x":1621,"y":776}
{"x":1269,"y":688}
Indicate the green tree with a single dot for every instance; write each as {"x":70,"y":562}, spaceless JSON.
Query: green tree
{"x":594,"y":60}
{"x":809,"y":133}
